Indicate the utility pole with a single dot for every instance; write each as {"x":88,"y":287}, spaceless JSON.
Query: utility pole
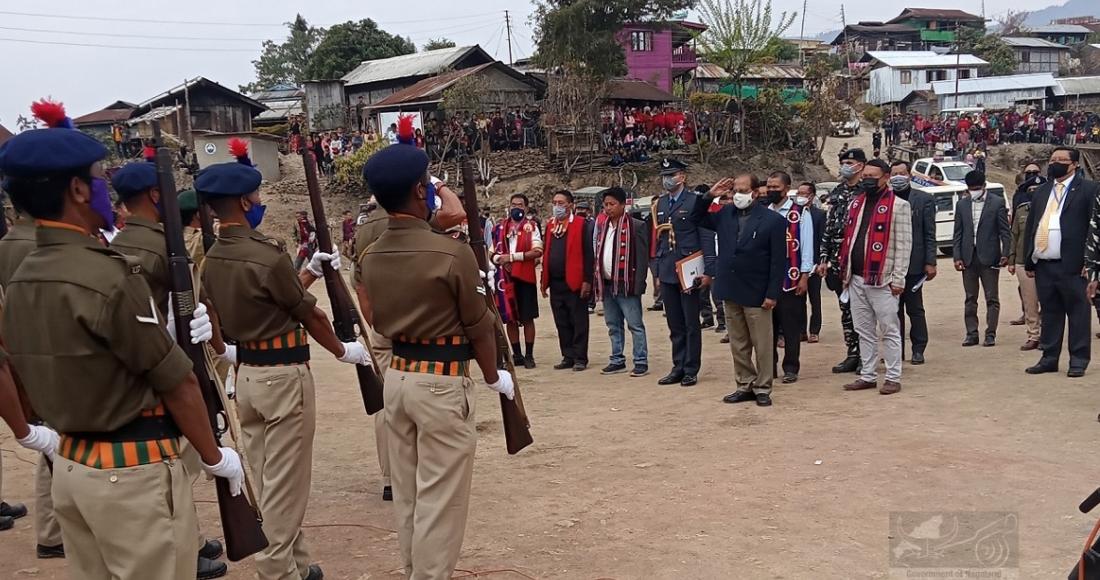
{"x":802,"y":35}
{"x":508,"y":25}
{"x":847,"y":52}
{"x":958,"y":59}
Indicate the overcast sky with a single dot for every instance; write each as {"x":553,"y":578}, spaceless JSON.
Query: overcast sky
{"x":218,"y":39}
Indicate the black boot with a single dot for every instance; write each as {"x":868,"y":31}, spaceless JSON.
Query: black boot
{"x":211,"y":550}
{"x":209,"y":569}
{"x":848,"y":365}
{"x":13,"y":511}
{"x":315,"y":573}
{"x":48,"y":552}
{"x":530,"y":358}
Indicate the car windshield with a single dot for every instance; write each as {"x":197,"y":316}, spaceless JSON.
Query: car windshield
{"x":955,"y":172}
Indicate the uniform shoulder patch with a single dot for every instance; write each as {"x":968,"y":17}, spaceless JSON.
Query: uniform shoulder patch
{"x":131,"y":263}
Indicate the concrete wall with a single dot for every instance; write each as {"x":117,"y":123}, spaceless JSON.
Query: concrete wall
{"x":211,"y":148}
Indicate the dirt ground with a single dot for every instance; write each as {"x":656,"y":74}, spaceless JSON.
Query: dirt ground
{"x":628,"y":480}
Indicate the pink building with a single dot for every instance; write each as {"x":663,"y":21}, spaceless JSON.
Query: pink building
{"x":660,"y":52}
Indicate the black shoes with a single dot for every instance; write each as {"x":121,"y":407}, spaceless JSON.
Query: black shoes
{"x":565,"y":363}
{"x":48,"y":552}
{"x":656,"y":307}
{"x":670,"y":379}
{"x":789,"y":378}
{"x":918,"y":358}
{"x":721,"y":328}
{"x":970,"y":341}
{"x":848,"y":365}
{"x":763,"y":400}
{"x":211,"y":550}
{"x":990,"y":341}
{"x":315,"y":573}
{"x":387,"y":493}
{"x":706,"y":324}
{"x":639,"y":371}
{"x":725,"y":339}
{"x":528,"y":363}
{"x":1041,"y":368}
{"x":6,"y":523}
{"x":739,"y":397}
{"x":580,"y":366}
{"x":209,"y":569}
{"x":13,"y":511}
{"x":613,"y":369}
{"x":1075,"y":373}
{"x":689,"y":381}
{"x":518,"y":360}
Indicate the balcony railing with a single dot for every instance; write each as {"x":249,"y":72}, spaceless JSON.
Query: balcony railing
{"x":684,"y":55}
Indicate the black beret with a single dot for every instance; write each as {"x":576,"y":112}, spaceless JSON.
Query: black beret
{"x":671,"y":166}
{"x":134,"y":178}
{"x":854,"y":155}
{"x":46,"y":151}
{"x":395,"y":169}
{"x":975,"y":178}
{"x":228,"y":180}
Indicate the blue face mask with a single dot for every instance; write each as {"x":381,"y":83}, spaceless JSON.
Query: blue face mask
{"x":429,"y":200}
{"x":517,"y":214}
{"x":255,"y":215}
{"x":100,"y":203}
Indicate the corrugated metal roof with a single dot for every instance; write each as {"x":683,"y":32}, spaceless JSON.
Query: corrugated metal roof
{"x":707,"y":70}
{"x":278,"y":110}
{"x":429,"y":87}
{"x":1028,"y":42}
{"x":154,"y":114}
{"x":936,"y":14}
{"x":279,"y":92}
{"x":775,"y":72}
{"x":103,"y":117}
{"x":196,"y":82}
{"x":409,"y":65}
{"x":1059,"y":29}
{"x":635,"y":90}
{"x":995,"y":84}
{"x":923,"y":58}
{"x":1080,"y":85}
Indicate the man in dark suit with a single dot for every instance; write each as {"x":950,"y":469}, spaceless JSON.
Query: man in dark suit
{"x":1054,"y":247}
{"x":982,"y":243}
{"x":922,"y":264}
{"x":807,"y":193}
{"x":752,"y":262}
{"x":677,"y":238}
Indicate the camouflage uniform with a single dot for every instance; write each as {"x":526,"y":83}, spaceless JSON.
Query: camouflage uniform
{"x":840,"y":197}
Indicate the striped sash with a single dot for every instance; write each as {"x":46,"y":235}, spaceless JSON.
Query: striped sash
{"x":120,"y":454}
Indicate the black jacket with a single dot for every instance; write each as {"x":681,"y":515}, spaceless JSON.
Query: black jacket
{"x":689,"y":237}
{"x":752,"y":262}
{"x":924,"y":230}
{"x":994,"y":240}
{"x":818,"y":216}
{"x":1078,"y":205}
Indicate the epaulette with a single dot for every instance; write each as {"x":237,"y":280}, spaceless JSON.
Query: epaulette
{"x":277,"y":244}
{"x":132,"y":264}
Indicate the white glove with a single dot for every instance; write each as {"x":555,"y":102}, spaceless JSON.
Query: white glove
{"x":43,"y":440}
{"x":504,"y":385}
{"x":201,"y":329}
{"x":355,"y":354}
{"x":230,"y":468}
{"x":312,"y":237}
{"x":231,"y":384}
{"x":314,"y":266}
{"x":230,"y":354}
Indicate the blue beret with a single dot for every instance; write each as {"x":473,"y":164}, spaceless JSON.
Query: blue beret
{"x":395,"y":169}
{"x":134,"y":178}
{"x":45,"y":151}
{"x":228,"y":180}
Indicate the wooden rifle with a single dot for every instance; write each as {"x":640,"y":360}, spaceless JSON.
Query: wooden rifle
{"x":517,"y":429}
{"x":346,"y":320}
{"x":241,"y":522}
{"x":207,"y":224}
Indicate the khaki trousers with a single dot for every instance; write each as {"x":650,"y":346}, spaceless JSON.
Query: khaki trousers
{"x":751,"y":329}
{"x":46,"y":528}
{"x":432,"y":438}
{"x":382,"y":349}
{"x":134,"y":523}
{"x":1029,"y":295}
{"x":278,"y":415}
{"x":192,"y":466}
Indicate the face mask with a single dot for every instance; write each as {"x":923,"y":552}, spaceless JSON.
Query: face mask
{"x":560,"y":211}
{"x":847,"y":171}
{"x":742,"y":200}
{"x":802,"y":200}
{"x":775,"y":197}
{"x":517,"y":214}
{"x":670,"y":183}
{"x":899,"y":183}
{"x":429,"y":200}
{"x":1057,"y":170}
{"x":100,"y":203}
{"x":869,"y":185}
{"x":255,"y":215}
{"x":1031,"y":174}
{"x":977,"y":194}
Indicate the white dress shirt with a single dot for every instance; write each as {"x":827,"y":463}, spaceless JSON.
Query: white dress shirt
{"x":1054,"y":238}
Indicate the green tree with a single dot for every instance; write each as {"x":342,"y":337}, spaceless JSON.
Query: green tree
{"x":350,"y":43}
{"x":990,"y":48}
{"x":779,"y":50}
{"x":286,"y":62}
{"x":737,"y":37}
{"x":438,"y":43}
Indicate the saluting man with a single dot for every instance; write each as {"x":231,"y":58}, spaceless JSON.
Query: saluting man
{"x":91,"y":350}
{"x":425,"y":292}
{"x":268,"y":312}
{"x":15,"y":246}
{"x":677,"y":237}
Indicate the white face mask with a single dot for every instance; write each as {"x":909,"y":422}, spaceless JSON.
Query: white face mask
{"x":802,"y":200}
{"x":742,"y":200}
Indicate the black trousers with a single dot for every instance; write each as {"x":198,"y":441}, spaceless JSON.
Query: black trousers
{"x":788,"y":320}
{"x":913,"y":305}
{"x":571,"y":318}
{"x":709,"y":312}
{"x":682,"y":314}
{"x":851,"y":338}
{"x":1061,"y":297}
{"x":814,"y":295}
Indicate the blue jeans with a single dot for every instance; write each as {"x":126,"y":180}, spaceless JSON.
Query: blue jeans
{"x":616,"y":309}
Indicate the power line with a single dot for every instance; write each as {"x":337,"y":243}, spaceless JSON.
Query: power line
{"x":163,"y":48}
{"x":209,"y":23}
{"x":120,"y":35}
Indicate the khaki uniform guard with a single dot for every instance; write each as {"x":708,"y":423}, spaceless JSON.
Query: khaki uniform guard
{"x":424,"y":291}
{"x":15,"y":246}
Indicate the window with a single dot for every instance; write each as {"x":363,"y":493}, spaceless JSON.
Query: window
{"x":964,"y":73}
{"x":1025,"y":56}
{"x":935,"y":75}
{"x":906,"y":77}
{"x":641,"y":40}
{"x":921,"y":167}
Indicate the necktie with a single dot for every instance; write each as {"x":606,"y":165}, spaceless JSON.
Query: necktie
{"x":1042,"y":236}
